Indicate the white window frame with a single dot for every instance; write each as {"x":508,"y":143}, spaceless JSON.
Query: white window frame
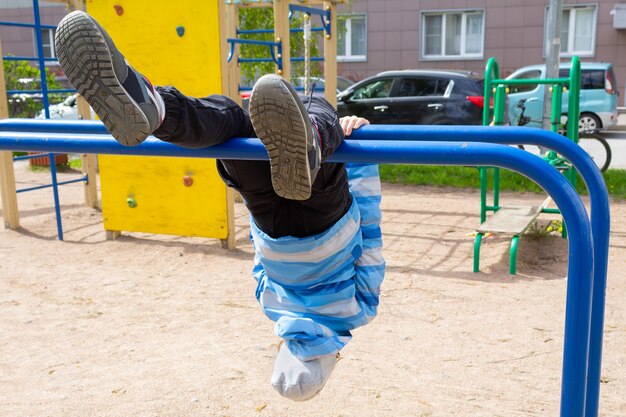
{"x":442,"y":56}
{"x":349,"y":57}
{"x":571,"y":31}
{"x":47,"y":34}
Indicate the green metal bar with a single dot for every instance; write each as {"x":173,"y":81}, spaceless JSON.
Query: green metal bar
{"x":496,"y":188}
{"x":573,"y":113}
{"x":563,"y":81}
{"x":551,"y":210}
{"x":557,"y":105}
{"x":513,"y":256}
{"x":483,"y":193}
{"x":555,"y":114}
{"x":499,"y":103}
{"x":491,"y":71}
{"x":477,"y":240}
{"x":573,"y":110}
{"x":574,"y":100}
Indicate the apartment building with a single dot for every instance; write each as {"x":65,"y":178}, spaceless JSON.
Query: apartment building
{"x":20,"y":41}
{"x":462,"y":34}
{"x":379,"y":35}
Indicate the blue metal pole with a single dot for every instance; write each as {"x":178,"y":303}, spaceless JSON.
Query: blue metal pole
{"x":599,"y":199}
{"x":41,"y":59}
{"x":46,"y":109}
{"x":26,"y":25}
{"x":600,"y":213}
{"x":55,"y":193}
{"x":578,"y":298}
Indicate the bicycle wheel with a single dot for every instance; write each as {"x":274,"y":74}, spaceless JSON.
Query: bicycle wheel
{"x":597,"y":147}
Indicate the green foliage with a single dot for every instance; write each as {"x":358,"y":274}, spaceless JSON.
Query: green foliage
{"x":467,"y":177}
{"x":262,"y":18}
{"x":541,"y":229}
{"x":20,"y":75}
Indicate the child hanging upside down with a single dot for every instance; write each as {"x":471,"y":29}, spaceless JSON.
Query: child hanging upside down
{"x":315,"y":226}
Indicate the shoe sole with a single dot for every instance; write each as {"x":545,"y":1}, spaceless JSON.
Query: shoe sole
{"x":86,"y":60}
{"x":279,"y":119}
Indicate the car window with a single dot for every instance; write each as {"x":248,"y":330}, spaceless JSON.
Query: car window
{"x":590,"y":79}
{"x":373,"y":89}
{"x":534,"y":74}
{"x":421,"y":87}
{"x":343,"y":83}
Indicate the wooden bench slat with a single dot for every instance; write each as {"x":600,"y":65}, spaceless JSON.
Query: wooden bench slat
{"x":512,"y":219}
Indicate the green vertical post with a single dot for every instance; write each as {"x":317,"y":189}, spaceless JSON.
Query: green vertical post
{"x":573,"y":109}
{"x":477,"y":240}
{"x":491,"y":73}
{"x":499,"y":104}
{"x":513,"y":255}
{"x":555,"y":113}
{"x":483,"y":193}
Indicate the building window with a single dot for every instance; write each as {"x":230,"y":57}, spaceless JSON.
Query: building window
{"x":578,"y":31}
{"x":453,"y":34}
{"x":352,"y":39}
{"x":47,"y":40}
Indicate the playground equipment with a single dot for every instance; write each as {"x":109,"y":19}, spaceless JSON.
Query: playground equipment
{"x":7,"y":175}
{"x":279,"y":49}
{"x":588,"y":243}
{"x":171,"y":45}
{"x":591,"y":140}
{"x":515,"y":220}
{"x":181,"y":47}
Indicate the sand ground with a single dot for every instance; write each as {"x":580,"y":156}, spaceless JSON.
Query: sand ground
{"x":156,"y":325}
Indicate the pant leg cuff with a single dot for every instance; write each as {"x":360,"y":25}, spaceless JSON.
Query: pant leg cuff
{"x":172,"y":114}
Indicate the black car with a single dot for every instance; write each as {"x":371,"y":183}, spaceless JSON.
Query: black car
{"x":422,"y":97}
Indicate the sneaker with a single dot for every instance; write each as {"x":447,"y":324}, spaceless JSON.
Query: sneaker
{"x":125,"y":100}
{"x":301,"y":380}
{"x":282,"y":123}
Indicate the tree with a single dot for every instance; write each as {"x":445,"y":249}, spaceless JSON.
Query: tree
{"x":20,"y":75}
{"x":260,"y":18}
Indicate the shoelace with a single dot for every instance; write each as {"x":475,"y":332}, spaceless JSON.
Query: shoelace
{"x":311,"y":95}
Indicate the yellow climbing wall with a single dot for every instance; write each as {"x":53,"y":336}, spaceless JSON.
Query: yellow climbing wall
{"x":172,"y":43}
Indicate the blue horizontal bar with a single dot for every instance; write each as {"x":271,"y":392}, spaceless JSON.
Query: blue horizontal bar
{"x":39,"y":187}
{"x":253,"y":31}
{"x":320,"y":89}
{"x":63,"y":90}
{"x":25,"y":157}
{"x":27,"y":58}
{"x":307,"y":10}
{"x":579,"y":287}
{"x":252,"y":42}
{"x":313,"y":58}
{"x":26,"y":25}
{"x":251,"y":60}
{"x":267,"y":31}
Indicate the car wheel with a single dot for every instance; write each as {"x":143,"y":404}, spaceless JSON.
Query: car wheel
{"x":588,"y":122}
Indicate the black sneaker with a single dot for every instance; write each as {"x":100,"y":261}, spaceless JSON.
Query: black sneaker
{"x":125,"y":100}
{"x":282,"y":123}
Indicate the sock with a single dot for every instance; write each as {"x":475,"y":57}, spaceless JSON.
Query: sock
{"x":301,"y":380}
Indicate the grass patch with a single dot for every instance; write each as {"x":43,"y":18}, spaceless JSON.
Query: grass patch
{"x":467,"y":177}
{"x":75,"y":163}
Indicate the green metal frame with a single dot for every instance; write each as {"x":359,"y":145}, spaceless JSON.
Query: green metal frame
{"x":497,"y":88}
